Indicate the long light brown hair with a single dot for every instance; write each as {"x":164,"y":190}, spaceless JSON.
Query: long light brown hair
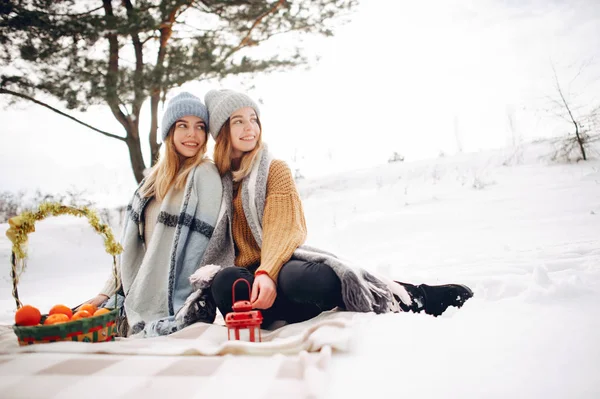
{"x":223,"y":150}
{"x":171,"y":169}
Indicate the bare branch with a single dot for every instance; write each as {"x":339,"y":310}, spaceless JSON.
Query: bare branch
{"x":581,"y":68}
{"x":149,"y":38}
{"x":246,"y":39}
{"x":183,"y":23}
{"x":562,"y":97}
{"x":575,"y":123}
{"x":77,"y":14}
{"x":26,"y":97}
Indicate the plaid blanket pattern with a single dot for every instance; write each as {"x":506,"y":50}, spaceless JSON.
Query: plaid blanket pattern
{"x":196,"y":362}
{"x":55,"y":375}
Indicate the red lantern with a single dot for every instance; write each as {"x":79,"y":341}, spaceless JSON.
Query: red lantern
{"x":243,"y":317}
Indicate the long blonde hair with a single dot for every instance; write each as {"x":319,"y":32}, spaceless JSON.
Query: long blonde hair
{"x":223,"y":150}
{"x":171,"y":169}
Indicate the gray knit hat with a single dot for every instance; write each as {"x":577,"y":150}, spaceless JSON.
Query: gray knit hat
{"x":182,"y":105}
{"x":222,"y":103}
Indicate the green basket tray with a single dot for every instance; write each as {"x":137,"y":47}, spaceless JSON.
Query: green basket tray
{"x":99,"y":328}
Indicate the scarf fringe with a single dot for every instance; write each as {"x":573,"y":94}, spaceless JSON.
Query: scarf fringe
{"x":382,"y":297}
{"x":355,"y":296}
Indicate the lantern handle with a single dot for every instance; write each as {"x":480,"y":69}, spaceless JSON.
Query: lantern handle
{"x":233,"y":289}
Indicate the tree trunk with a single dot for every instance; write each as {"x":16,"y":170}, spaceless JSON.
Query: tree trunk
{"x":111,"y":81}
{"x":580,"y":141}
{"x":154,"y":146}
{"x":166,"y":29}
{"x":564,"y":100}
{"x":135,"y":156}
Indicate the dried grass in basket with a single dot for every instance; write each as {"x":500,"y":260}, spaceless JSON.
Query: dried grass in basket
{"x":92,"y":329}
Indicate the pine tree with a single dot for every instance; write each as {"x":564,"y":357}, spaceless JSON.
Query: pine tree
{"x":122,"y":53}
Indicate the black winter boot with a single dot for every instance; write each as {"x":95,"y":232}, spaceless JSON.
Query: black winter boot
{"x":416,"y":294}
{"x":435,"y":299}
{"x":439,"y":297}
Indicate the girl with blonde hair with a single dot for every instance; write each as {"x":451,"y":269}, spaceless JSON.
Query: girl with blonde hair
{"x":168,"y":225}
{"x":260,"y":234}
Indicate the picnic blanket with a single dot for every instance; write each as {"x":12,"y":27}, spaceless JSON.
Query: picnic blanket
{"x":195,"y":362}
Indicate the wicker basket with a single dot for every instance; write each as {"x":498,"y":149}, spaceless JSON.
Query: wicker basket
{"x":99,"y":328}
{"x":91,"y":329}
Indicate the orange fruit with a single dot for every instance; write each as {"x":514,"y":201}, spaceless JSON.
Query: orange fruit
{"x":61,"y":309}
{"x":56,"y":318}
{"x":101,"y":311}
{"x":27,"y":316}
{"x":91,"y":309}
{"x":80,"y":314}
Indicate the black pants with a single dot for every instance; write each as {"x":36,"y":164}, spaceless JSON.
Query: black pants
{"x":304,"y":289}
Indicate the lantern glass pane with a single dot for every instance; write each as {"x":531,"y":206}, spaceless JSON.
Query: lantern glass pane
{"x":244,"y":334}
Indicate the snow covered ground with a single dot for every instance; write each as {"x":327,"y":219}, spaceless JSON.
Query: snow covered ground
{"x":522,"y":232}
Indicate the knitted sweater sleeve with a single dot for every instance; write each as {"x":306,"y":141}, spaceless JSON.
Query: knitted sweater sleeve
{"x":284,"y":226}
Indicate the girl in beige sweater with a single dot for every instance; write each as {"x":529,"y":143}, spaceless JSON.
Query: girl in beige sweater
{"x":290,"y":282}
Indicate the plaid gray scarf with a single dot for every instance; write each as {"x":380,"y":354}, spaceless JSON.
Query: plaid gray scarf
{"x":362,"y":291}
{"x":155,"y":275}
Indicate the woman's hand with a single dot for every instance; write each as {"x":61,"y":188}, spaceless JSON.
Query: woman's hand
{"x":97,"y":300}
{"x":264,"y":292}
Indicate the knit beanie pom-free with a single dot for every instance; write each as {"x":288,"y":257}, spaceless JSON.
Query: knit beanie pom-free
{"x":181,"y":105}
{"x":222,"y":103}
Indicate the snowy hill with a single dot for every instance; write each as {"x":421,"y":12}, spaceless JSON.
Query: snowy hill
{"x":522,"y":232}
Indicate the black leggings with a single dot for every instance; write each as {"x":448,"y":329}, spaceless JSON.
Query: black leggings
{"x":304,"y":289}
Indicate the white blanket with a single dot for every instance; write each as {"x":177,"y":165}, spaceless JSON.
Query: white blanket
{"x":197,"y":361}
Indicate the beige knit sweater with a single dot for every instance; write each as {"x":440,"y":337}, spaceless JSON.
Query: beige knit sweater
{"x":284,"y":226}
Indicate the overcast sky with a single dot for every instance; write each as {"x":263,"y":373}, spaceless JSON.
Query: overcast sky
{"x":419,"y":78}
